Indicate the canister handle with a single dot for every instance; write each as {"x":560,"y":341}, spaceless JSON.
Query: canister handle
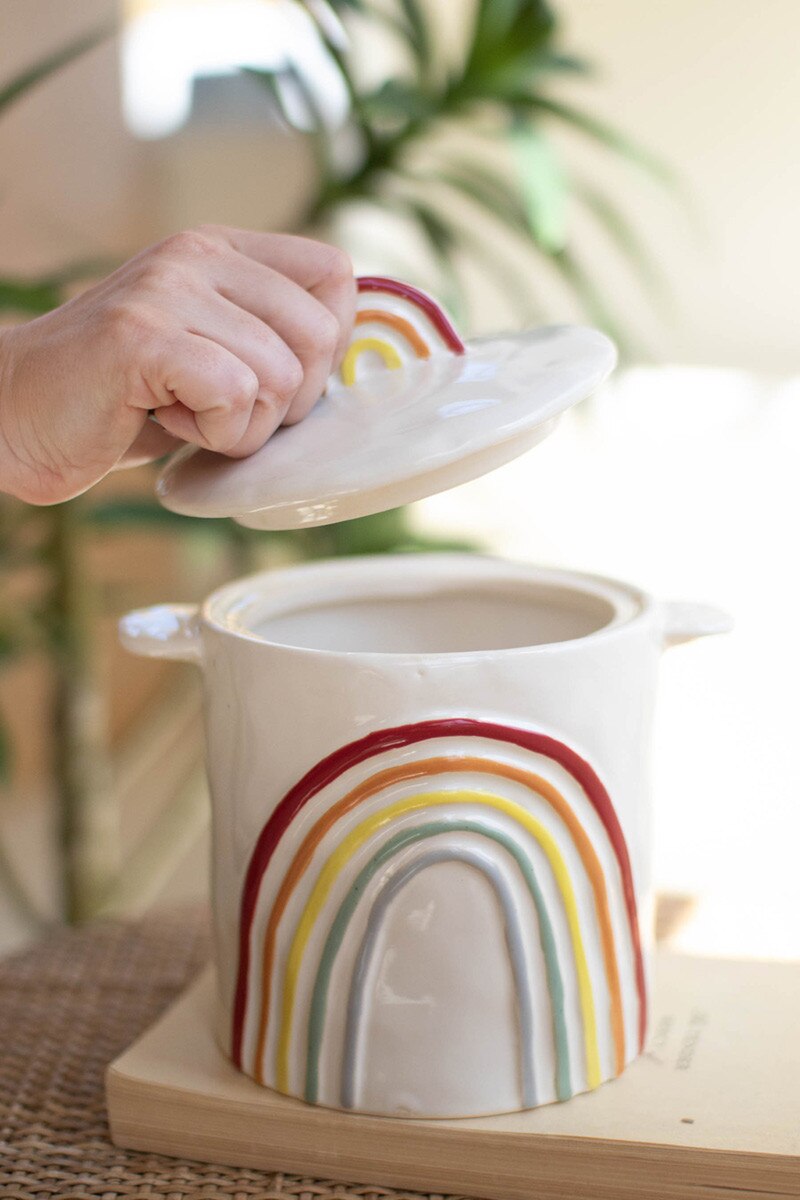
{"x":683,"y":621}
{"x":163,"y":631}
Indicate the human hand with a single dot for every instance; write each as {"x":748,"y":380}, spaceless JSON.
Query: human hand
{"x":224,"y":334}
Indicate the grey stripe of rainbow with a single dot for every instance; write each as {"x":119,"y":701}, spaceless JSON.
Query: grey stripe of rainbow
{"x":380,"y":741}
{"x":407,"y":837}
{"x":516,"y":952}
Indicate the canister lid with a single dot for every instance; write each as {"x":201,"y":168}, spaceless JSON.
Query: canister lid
{"x":412,"y":411}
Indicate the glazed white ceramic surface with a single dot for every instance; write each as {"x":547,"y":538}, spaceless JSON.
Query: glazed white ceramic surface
{"x":424,"y":1011}
{"x":398,"y":435}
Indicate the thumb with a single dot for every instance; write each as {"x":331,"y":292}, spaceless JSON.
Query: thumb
{"x":151,"y":442}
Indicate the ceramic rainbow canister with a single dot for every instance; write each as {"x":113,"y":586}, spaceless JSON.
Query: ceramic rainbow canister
{"x":429,"y":774}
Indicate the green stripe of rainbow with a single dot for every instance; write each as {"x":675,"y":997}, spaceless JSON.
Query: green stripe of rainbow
{"x":341,"y":858}
{"x":602,"y":882}
{"x":428,"y":768}
{"x":390,"y":888}
{"x":339,"y":927}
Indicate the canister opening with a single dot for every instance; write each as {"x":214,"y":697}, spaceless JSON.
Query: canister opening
{"x":449,"y":621}
{"x":431,"y":605}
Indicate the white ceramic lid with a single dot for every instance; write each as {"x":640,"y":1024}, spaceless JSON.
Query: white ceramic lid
{"x":412,"y":412}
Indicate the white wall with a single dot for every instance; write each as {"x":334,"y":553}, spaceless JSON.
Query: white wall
{"x":69,"y":173}
{"x":714,"y":86}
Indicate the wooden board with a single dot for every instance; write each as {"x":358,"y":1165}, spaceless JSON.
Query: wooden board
{"x":711,"y":1110}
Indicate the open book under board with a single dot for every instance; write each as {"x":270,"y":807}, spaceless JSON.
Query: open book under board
{"x":711,"y":1110}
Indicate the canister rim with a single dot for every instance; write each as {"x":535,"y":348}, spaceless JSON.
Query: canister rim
{"x":235,"y":608}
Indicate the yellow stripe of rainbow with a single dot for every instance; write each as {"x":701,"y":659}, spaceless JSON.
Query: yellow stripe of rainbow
{"x":338,"y":861}
{"x":392,"y":320}
{"x":356,"y":349}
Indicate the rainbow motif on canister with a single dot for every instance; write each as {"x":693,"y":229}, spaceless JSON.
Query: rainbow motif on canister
{"x":520,"y":810}
{"x":396,"y":323}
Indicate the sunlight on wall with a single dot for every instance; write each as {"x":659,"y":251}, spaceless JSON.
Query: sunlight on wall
{"x":685,"y":482}
{"x":168,"y":44}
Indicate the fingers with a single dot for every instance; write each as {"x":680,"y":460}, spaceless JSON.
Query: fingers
{"x":322,"y":270}
{"x":302,"y":322}
{"x":205,"y":394}
{"x":151,"y":443}
{"x":284,"y":378}
{"x":256,"y":323}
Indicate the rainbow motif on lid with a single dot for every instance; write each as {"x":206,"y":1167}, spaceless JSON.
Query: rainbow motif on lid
{"x":398,"y":323}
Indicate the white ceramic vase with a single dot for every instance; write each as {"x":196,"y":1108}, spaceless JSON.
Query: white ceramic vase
{"x":431,"y":825}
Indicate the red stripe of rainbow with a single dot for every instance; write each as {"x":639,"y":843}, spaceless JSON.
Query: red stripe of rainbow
{"x":330,"y":768}
{"x":395,"y":287}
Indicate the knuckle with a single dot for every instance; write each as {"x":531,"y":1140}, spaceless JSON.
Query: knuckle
{"x":208,"y":229}
{"x":128,"y":323}
{"x":218,"y":439}
{"x":318,"y":336}
{"x":161,"y":273}
{"x":327,"y":334}
{"x":241,"y":391}
{"x":189,"y":244}
{"x":294,"y":417}
{"x":335,"y":265}
{"x":286,"y":378}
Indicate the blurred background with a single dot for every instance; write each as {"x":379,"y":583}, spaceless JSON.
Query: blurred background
{"x":627,"y":164}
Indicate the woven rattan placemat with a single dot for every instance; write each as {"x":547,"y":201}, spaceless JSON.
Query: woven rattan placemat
{"x":67,"y":1008}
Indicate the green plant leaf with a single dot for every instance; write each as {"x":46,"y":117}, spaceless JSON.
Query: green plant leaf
{"x":397,"y":100}
{"x":509,"y":22}
{"x":440,"y":236}
{"x":386,"y":533}
{"x":504,"y":32}
{"x":552,"y":60}
{"x":543,"y":186}
{"x":601,"y":132}
{"x":494,"y":19}
{"x":276,"y":83}
{"x":535,"y":208}
{"x":28,"y":78}
{"x":379,"y":533}
{"x":483,"y":188}
{"x":112,"y":514}
{"x":419,"y":544}
{"x":325,"y":15}
{"x":492,"y":92}
{"x":623,"y":235}
{"x":31,"y":297}
{"x":8,"y":646}
{"x":313,"y":6}
{"x":336,"y":45}
{"x":36,"y":296}
{"x":487,"y":190}
{"x":418,"y":32}
{"x":513,"y":280}
{"x":107,"y":516}
{"x":594,"y":302}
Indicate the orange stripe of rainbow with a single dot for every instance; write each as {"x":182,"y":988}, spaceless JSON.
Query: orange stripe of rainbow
{"x":391,"y":320}
{"x":439,"y":766}
{"x":435,"y":314}
{"x":330,"y":768}
{"x":395,"y":322}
